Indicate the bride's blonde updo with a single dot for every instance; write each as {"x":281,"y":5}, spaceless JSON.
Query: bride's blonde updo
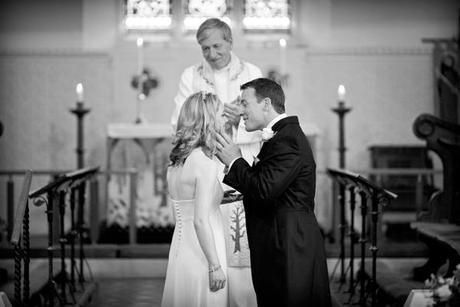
{"x":197,"y":126}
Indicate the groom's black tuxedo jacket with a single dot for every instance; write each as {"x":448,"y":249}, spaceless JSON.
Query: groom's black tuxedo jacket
{"x":287,"y":251}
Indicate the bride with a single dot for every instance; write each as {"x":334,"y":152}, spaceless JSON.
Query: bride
{"x":197,"y":266}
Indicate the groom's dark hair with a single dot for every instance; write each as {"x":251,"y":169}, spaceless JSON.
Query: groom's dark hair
{"x":263,"y":88}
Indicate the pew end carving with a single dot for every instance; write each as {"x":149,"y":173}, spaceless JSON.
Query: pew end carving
{"x":439,"y":228}
{"x":443,"y":138}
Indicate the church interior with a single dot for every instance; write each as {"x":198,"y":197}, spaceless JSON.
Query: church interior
{"x":86,"y":96}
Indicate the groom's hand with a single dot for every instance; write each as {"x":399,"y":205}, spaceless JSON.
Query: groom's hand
{"x":227,"y":151}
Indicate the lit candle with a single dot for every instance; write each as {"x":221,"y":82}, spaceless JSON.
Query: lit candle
{"x":80,"y":92}
{"x":341,"y":93}
{"x":140,"y":55}
{"x":282,"y":56}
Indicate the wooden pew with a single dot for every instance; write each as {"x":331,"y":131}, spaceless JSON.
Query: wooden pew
{"x":439,"y":228}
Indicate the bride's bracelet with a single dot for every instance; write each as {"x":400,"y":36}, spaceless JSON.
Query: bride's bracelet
{"x":214,"y":268}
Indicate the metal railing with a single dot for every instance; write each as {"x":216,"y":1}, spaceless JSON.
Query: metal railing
{"x":54,"y":195}
{"x":421,"y":177}
{"x":64,"y":189}
{"x":356,"y":185}
{"x":92,"y":220}
{"x":20,"y":239}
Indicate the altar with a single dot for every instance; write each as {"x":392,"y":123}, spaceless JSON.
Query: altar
{"x":144,"y":149}
{"x":138,"y":207}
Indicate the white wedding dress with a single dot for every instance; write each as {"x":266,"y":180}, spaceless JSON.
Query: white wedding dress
{"x":187,"y":277}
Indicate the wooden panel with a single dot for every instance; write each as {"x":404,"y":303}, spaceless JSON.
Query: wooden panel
{"x":403,"y":185}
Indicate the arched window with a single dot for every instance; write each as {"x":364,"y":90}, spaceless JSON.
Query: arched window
{"x":153,"y":16}
{"x":266,"y":15}
{"x":147,"y":15}
{"x":196,"y":11}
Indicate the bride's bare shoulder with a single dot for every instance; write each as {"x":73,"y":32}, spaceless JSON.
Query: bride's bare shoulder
{"x":199,"y":160}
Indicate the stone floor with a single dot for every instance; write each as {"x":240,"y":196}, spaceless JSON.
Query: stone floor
{"x":134,"y":275}
{"x":139,"y":282}
{"x":129,"y":292}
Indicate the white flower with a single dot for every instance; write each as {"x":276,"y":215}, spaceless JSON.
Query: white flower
{"x":443,"y":292}
{"x":267,"y":134}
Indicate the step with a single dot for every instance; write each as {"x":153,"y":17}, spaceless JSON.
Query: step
{"x":399,"y":217}
{"x":394,"y":278}
{"x":38,"y":275}
{"x":3,"y":276}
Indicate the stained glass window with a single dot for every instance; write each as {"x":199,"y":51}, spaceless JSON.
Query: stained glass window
{"x":147,"y":15}
{"x":266,"y":15}
{"x":196,"y":11}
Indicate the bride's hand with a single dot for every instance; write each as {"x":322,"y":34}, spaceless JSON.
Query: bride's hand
{"x":216,"y":280}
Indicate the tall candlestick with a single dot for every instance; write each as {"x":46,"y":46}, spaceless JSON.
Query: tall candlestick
{"x":80,"y":92}
{"x":341,"y":110}
{"x":80,"y":111}
{"x":282,"y":56}
{"x":140,"y":55}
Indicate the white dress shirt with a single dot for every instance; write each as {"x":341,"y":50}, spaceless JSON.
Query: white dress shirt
{"x":269,"y":126}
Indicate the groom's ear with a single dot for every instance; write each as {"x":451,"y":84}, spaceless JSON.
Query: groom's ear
{"x":267,"y":103}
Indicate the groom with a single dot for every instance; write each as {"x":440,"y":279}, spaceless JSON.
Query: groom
{"x":287,"y":252}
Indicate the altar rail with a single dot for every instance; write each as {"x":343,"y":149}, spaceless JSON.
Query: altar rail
{"x":10,"y":181}
{"x":65,"y":188}
{"x":92,"y":226}
{"x":422,"y":176}
{"x":355,"y":185}
{"x":20,"y":239}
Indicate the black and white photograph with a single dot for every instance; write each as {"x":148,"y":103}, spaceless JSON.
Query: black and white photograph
{"x":229,"y":153}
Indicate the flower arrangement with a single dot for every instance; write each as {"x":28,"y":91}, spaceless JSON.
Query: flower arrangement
{"x":446,"y":291}
{"x":147,"y":81}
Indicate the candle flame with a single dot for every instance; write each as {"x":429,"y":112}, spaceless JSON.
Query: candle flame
{"x":341,"y":92}
{"x":283,"y":43}
{"x":140,"y":42}
{"x":79,"y":88}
